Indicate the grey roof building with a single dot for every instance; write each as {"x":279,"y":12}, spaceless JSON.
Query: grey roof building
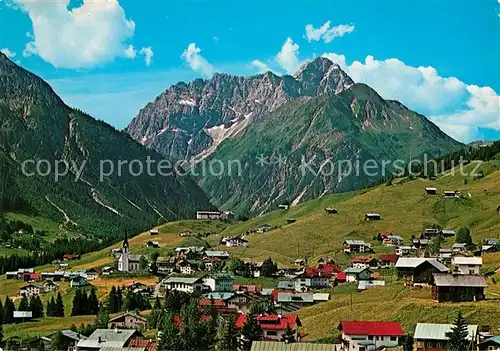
{"x":106,"y":338}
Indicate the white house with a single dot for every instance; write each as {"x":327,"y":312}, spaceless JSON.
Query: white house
{"x":356,"y":246}
{"x":188,"y":267}
{"x":31,"y":290}
{"x":354,"y":274}
{"x":93,"y":273}
{"x":403,"y":250}
{"x":188,"y":285}
{"x":466,"y":265}
{"x":236,"y":242}
{"x":369,"y":336}
{"x":305,"y":281}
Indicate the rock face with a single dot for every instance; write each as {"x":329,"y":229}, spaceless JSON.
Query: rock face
{"x":271,"y":125}
{"x":188,"y":121}
{"x":36,"y":125}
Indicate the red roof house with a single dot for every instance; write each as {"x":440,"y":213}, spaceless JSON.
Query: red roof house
{"x":248,"y":288}
{"x":69,"y":257}
{"x":273,"y":325}
{"x":146,"y":344}
{"x":208,"y":302}
{"x":341,"y":277}
{"x":323,"y":270}
{"x":383,"y":235}
{"x":35,"y":276}
{"x":370,"y":335}
{"x":371,"y":328}
{"x":389,"y":259}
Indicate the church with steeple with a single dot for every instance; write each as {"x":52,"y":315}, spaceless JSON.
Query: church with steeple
{"x":128,"y":262}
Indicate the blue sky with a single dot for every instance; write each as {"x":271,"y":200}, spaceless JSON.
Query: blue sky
{"x":109,"y":58}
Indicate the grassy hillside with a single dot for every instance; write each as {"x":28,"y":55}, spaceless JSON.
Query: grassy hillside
{"x":404,"y":206}
{"x":405,"y":209}
{"x":394,"y":302}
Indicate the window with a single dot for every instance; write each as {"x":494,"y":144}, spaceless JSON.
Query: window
{"x":271,"y":333}
{"x":393,"y":338}
{"x":370,"y":337}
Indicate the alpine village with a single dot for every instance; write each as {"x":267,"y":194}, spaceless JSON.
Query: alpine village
{"x":265,"y":261}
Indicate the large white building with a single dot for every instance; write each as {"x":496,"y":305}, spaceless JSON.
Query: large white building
{"x":188,"y":285}
{"x":369,"y":336}
{"x":466,"y":265}
{"x":128,"y":262}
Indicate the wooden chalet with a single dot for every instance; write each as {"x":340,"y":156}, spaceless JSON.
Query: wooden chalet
{"x":373,"y":217}
{"x":457,"y":287}
{"x":431,"y":191}
{"x":419,"y":270}
{"x":429,"y":233}
{"x":356,"y":246}
{"x":330,"y":210}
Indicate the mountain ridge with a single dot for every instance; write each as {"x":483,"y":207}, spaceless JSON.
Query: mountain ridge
{"x":318,"y":113}
{"x":225,"y":100}
{"x":36,"y":125}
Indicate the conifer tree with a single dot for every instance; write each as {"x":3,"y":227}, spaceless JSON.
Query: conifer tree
{"x":8,"y":311}
{"x":170,"y":335}
{"x":457,"y":337}
{"x":59,"y":306}
{"x":111,"y":303}
{"x":51,"y":307}
{"x":23,"y":304}
{"x":227,"y":335}
{"x":1,"y":312}
{"x":93,"y":302}
{"x":36,"y":306}
{"x":84,"y":304}
{"x":102,"y":319}
{"x":119,"y":299}
{"x":77,"y":303}
{"x":251,"y":330}
{"x":157,"y":305}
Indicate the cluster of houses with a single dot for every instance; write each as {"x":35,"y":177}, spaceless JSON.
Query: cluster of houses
{"x":448,"y":194}
{"x":46,"y":282}
{"x":452,"y":274}
{"x":214,"y":215}
{"x":236,"y":241}
{"x":189,"y":260}
{"x":124,"y":333}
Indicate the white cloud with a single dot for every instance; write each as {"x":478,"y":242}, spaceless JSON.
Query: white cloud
{"x":92,"y":34}
{"x":327,"y":33}
{"x":197,"y":62}
{"x":131,"y":53}
{"x":288,"y":58}
{"x":458,"y":108}
{"x":261,"y":66}
{"x":10,"y":54}
{"x":148,"y":55}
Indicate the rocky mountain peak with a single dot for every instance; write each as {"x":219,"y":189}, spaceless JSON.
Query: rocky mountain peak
{"x":189,"y":120}
{"x":321,"y":76}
